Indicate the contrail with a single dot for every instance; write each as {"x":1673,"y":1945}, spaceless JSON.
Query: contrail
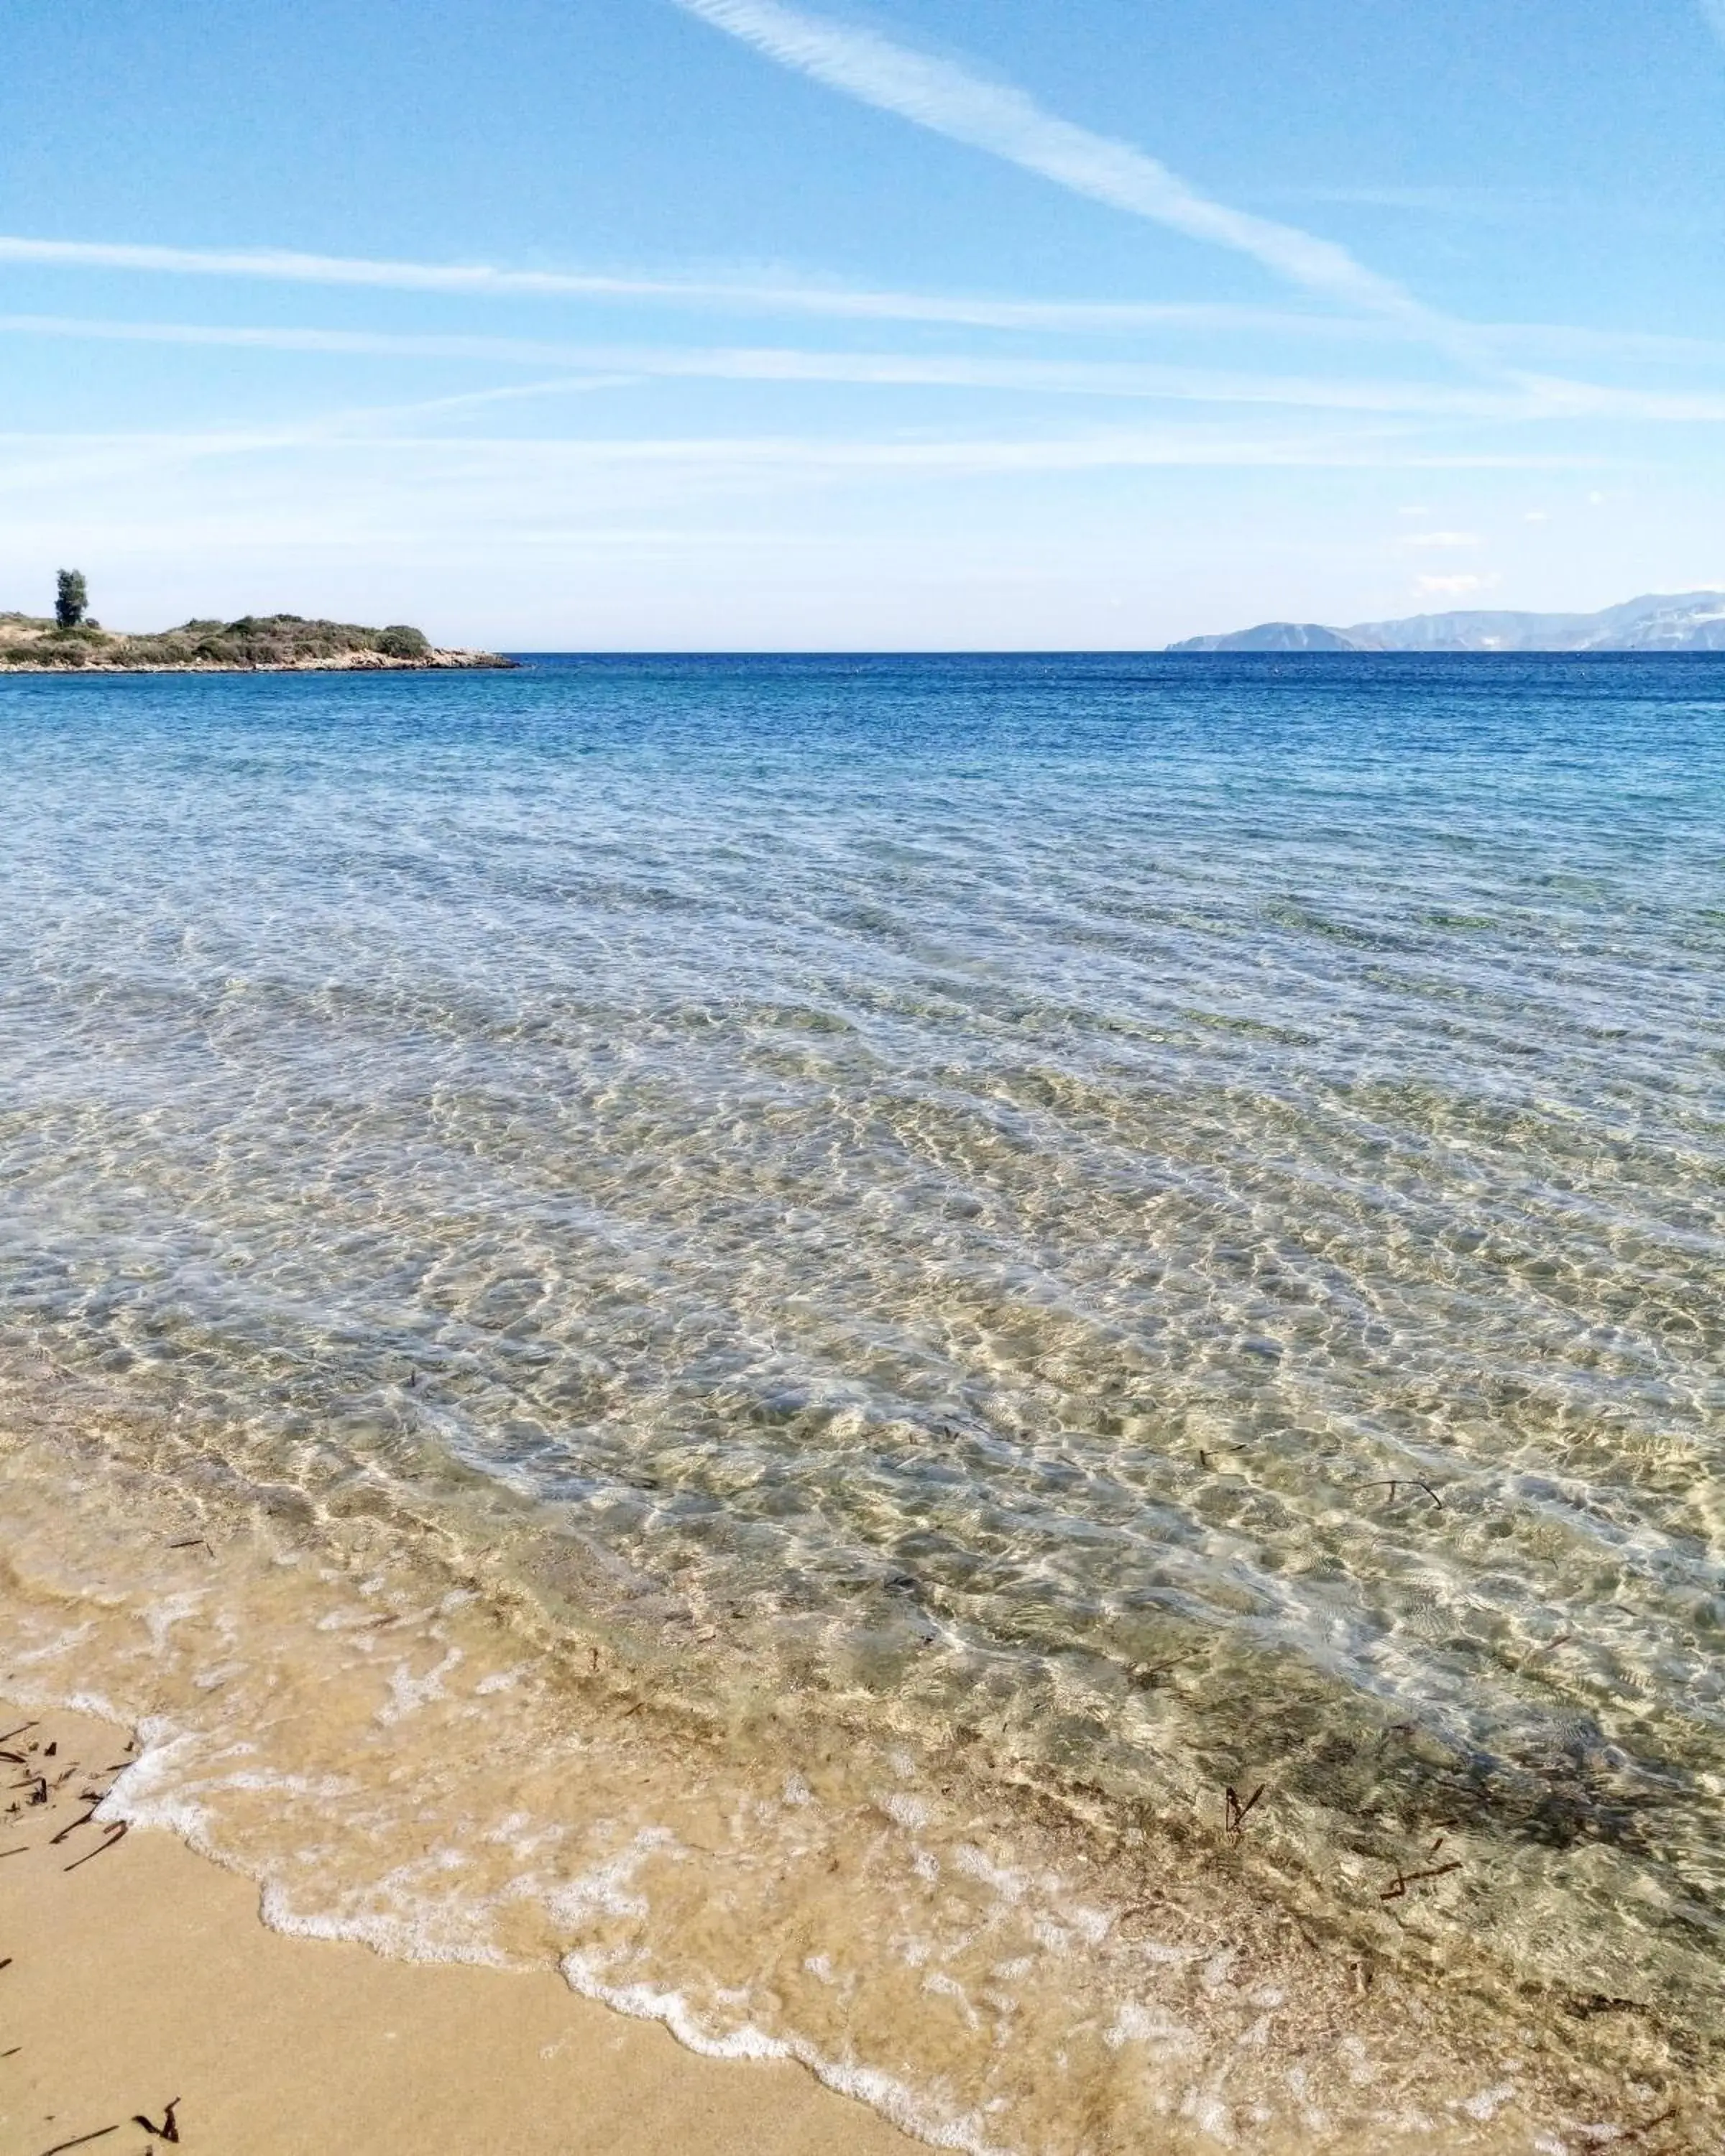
{"x":950,"y":100}
{"x":481,"y":280}
{"x":615,"y":365}
{"x":278,"y":265}
{"x":1524,"y":396}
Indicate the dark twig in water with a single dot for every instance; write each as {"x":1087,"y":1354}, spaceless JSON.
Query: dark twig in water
{"x":1234,"y":1818}
{"x":193,"y":1542}
{"x":167,"y":2131}
{"x":116,"y":1833}
{"x":7,"y":1736}
{"x":22,"y":1851}
{"x":58,"y":1839}
{"x":1402,"y":1482}
{"x":1404,"y":1880}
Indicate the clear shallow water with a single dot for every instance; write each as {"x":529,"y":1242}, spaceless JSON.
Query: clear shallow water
{"x":1001,"y":1245}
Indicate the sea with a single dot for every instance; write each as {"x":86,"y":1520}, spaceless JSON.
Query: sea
{"x":1004,"y":1372}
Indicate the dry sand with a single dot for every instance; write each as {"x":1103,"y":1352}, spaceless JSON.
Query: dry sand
{"x":144,"y":1975}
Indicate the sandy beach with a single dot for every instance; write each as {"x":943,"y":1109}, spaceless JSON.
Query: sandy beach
{"x":137,"y":1975}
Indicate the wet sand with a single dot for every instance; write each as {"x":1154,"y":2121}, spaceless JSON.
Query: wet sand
{"x":144,"y":1975}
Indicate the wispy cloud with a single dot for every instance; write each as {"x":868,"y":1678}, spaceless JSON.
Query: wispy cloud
{"x":1714,"y":10}
{"x":953,"y":101}
{"x":775,"y":295}
{"x":1451,"y":588}
{"x":1519,"y":398}
{"x":819,"y":299}
{"x":433,"y":462}
{"x":786,"y":365}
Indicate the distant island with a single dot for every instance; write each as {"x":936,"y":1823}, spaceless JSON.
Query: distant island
{"x":275,"y":643}
{"x":1694,"y":621}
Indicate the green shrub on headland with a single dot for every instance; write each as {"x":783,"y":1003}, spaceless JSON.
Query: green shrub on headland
{"x":285,"y":641}
{"x":71,"y":598}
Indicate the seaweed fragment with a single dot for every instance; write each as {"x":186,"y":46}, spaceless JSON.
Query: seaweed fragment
{"x":116,"y":1833}
{"x":79,"y":2140}
{"x":55,"y":1840}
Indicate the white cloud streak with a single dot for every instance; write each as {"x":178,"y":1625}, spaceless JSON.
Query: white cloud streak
{"x":785,"y":295}
{"x":779,"y":364}
{"x":1002,"y":119}
{"x":1525,"y":398}
{"x":435,"y":462}
{"x":1451,"y":588}
{"x":479,"y":280}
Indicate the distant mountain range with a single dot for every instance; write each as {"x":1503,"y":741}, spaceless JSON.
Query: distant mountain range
{"x":1694,"y":621}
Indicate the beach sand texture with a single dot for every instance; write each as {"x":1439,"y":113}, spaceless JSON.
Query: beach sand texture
{"x":497,"y":1833}
{"x":137,"y":1976}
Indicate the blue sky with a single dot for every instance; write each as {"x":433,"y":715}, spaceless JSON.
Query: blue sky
{"x":719,"y":324}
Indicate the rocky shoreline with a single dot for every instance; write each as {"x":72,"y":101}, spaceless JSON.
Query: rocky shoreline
{"x":254,"y":643}
{"x":350,"y":662}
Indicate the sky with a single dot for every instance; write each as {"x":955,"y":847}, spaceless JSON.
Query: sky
{"x":717,"y":325}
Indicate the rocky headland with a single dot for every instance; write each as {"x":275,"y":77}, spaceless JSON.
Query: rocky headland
{"x":268,"y":643}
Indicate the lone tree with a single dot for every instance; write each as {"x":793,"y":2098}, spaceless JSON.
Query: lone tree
{"x":71,"y":597}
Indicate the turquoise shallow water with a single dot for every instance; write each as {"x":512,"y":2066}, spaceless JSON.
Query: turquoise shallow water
{"x":1168,"y":1212}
